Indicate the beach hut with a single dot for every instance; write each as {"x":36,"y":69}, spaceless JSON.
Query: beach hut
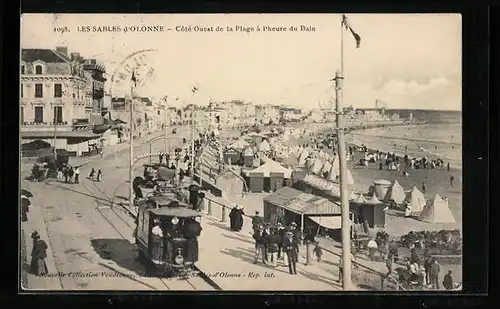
{"x":416,"y":199}
{"x":256,"y":181}
{"x":276,"y":181}
{"x":248,"y":156}
{"x":396,"y":193}
{"x":374,"y":209}
{"x":381,"y":187}
{"x":232,"y":156}
{"x":264,"y":146}
{"x":437,"y":210}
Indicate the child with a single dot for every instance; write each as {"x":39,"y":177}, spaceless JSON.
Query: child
{"x":318,"y":251}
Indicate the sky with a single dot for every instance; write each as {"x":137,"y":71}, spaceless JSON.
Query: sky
{"x":405,"y":60}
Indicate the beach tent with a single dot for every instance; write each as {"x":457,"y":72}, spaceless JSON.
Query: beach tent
{"x":240,"y":144}
{"x":248,"y":152}
{"x":303,"y":155}
{"x":309,"y":162}
{"x":416,"y":199}
{"x":349,"y":178}
{"x":317,"y":165}
{"x":272,"y":167}
{"x":334,"y":170}
{"x":395,"y":193}
{"x":359,"y":199}
{"x":325,"y":168}
{"x":264,"y":146}
{"x":373,"y":200}
{"x":437,"y":211}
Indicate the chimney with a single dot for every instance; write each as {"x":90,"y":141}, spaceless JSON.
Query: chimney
{"x":63,"y":50}
{"x":75,"y":56}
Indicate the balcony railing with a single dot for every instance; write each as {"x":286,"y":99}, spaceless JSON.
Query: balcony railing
{"x":44,"y":123}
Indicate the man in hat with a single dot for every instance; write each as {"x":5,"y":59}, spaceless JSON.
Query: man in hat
{"x":38,"y":254}
{"x":296,"y":235}
{"x":265,"y":240}
{"x":281,"y":233}
{"x":233,"y":218}
{"x":274,"y":241}
{"x":291,"y":253}
{"x":259,"y":245}
{"x":257,"y":221}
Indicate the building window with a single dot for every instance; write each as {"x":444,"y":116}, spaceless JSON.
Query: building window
{"x":23,"y":68}
{"x":22,"y":90}
{"x":58,"y":114}
{"x":38,"y":114}
{"x":57,"y":91}
{"x":22,"y":114}
{"x":38,"y":70}
{"x":38,"y":90}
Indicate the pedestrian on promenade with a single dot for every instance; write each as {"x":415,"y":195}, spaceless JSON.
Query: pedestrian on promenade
{"x":448,"y":166}
{"x":448,"y":281}
{"x":318,"y":251}
{"x":274,"y":241}
{"x":372,"y":248}
{"x":435,"y":270}
{"x":92,"y":173}
{"x":265,"y":240}
{"x":259,"y":246}
{"x":70,"y":174}
{"x":77,"y":174}
{"x":427,"y":267}
{"x":451,"y":180}
{"x":99,"y":174}
{"x":38,"y":254}
{"x":291,"y":253}
{"x":161,"y":158}
{"x":281,"y":233}
{"x":424,"y":187}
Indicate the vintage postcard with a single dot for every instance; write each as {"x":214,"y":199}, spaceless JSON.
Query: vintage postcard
{"x":230,"y":152}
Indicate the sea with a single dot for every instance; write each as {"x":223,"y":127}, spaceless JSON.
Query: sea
{"x":440,"y":137}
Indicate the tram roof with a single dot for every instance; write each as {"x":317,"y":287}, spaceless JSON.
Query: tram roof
{"x":181,"y":212}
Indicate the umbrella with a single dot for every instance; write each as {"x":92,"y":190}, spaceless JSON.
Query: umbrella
{"x":26,"y":193}
{"x":25,"y":202}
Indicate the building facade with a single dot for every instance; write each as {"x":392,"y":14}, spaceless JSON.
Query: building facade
{"x":54,"y":93}
{"x":96,"y":81}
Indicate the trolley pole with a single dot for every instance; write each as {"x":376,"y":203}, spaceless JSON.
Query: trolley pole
{"x":346,"y":225}
{"x":131,"y":149}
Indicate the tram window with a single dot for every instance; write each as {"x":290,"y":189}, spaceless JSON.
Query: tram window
{"x":146,"y":227}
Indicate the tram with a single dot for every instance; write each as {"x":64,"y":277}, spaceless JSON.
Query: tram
{"x":167,"y":229}
{"x":167,"y":236}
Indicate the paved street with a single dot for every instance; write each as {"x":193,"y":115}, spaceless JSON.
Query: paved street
{"x":90,"y":243}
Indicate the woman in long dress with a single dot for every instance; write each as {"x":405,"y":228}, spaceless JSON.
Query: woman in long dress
{"x":38,"y":254}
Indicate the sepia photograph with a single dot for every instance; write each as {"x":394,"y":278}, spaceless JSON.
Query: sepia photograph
{"x":240,"y":152}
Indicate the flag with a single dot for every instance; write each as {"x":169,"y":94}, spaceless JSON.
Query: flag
{"x":194,"y":89}
{"x":133,"y":79}
{"x":345,"y":22}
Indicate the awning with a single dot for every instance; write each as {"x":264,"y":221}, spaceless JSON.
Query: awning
{"x":59,"y":134}
{"x":332,"y":223}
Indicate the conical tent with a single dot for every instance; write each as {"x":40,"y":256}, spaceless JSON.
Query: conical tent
{"x":317,"y":165}
{"x":360,"y":199}
{"x":437,"y":211}
{"x":416,"y":199}
{"x":326,"y":167}
{"x":334,"y":170}
{"x":395,"y":193}
{"x":302,"y":157}
{"x":373,"y":200}
{"x":349,"y":178}
{"x":264,"y":146}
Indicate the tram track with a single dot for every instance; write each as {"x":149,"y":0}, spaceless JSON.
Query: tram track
{"x":204,"y":283}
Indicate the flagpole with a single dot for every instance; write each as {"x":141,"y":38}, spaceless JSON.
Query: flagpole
{"x":165,"y":127}
{"x":346,"y":226}
{"x":131,"y":149}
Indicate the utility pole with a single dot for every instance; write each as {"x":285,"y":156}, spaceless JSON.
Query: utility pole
{"x":166,"y":127}
{"x":346,"y":224}
{"x":131,"y":149}
{"x":192,"y":141}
